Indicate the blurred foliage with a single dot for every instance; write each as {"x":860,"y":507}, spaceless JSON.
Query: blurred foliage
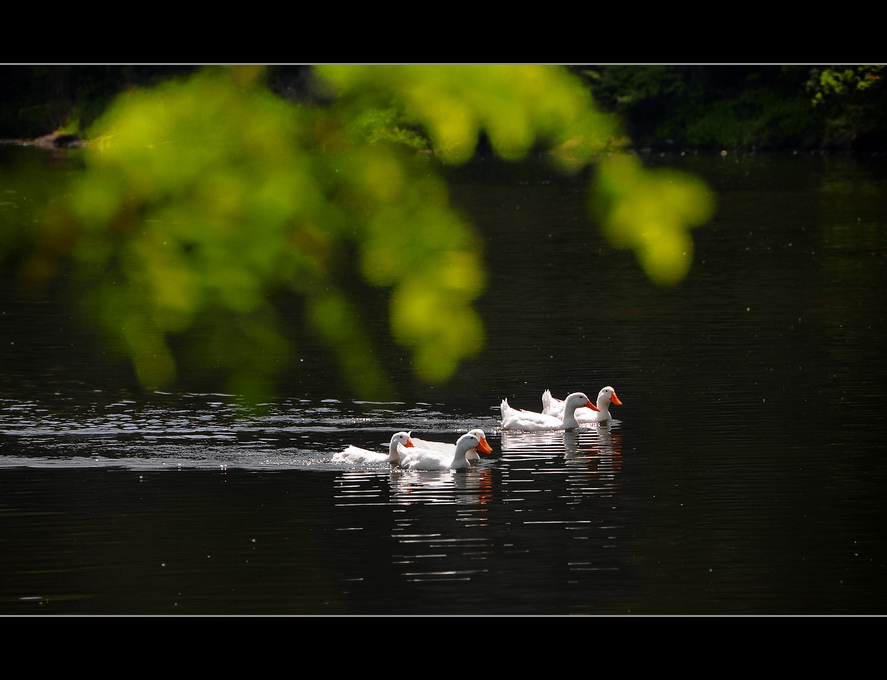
{"x":651,"y":212}
{"x":516,"y":107}
{"x":208,"y":200}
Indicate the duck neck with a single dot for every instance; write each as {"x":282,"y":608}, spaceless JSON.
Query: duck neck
{"x":570,"y":421}
{"x":460,"y":460}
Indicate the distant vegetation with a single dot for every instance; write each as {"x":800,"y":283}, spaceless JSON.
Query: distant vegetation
{"x":697,"y":106}
{"x":745,"y":107}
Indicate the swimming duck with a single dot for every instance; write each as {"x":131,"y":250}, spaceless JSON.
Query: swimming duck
{"x":354,"y":454}
{"x":433,"y":459}
{"x":519,"y":419}
{"x":471,"y":455}
{"x":554,"y":407}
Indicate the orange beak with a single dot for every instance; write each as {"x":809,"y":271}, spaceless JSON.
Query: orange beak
{"x":484,"y":446}
{"x":592,"y":406}
{"x":410,"y":444}
{"x":615,"y":400}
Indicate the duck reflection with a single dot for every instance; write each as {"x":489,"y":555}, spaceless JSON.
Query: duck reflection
{"x":442,"y":523}
{"x":599,"y":441}
{"x":520,"y":444}
{"x":473,"y":486}
{"x":597,"y":457}
{"x":583,"y":442}
{"x":591,"y":457}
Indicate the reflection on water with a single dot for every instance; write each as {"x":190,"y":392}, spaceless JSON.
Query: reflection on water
{"x":426,"y":547}
{"x":590,"y":440}
{"x":745,"y":472}
{"x":406,"y":487}
{"x":469,"y":526}
{"x":468,"y":487}
{"x":589,"y":459}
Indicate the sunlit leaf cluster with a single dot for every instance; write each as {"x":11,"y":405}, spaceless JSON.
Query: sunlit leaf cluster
{"x":651,"y":212}
{"x":848,"y":80}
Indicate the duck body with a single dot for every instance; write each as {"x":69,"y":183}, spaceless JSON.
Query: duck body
{"x":446,"y":448}
{"x":519,"y":419}
{"x":553,"y":407}
{"x":400,"y":441}
{"x":436,"y":459}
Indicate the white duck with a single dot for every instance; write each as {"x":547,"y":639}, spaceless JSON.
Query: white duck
{"x":471,"y":455}
{"x":554,"y":407}
{"x":432,"y":459}
{"x":519,"y":419}
{"x":353,"y":454}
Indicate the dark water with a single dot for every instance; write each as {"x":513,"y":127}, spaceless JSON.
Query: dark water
{"x":745,"y":473}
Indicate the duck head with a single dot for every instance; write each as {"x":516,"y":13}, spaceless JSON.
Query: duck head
{"x":608,"y":394}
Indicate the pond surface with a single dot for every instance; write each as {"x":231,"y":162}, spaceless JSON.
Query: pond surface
{"x":744,"y":474}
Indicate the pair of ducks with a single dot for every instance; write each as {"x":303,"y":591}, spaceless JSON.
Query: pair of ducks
{"x":413,"y":453}
{"x":561,"y":415}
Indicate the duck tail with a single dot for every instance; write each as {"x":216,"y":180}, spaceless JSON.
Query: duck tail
{"x":546,"y":401}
